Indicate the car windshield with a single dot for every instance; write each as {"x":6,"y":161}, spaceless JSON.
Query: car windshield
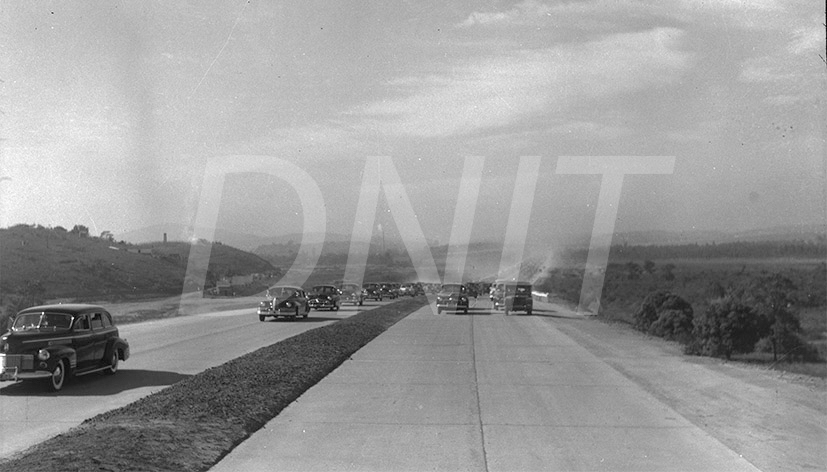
{"x":453,"y":288}
{"x":350,"y":288}
{"x":324,"y":289}
{"x":42,"y":320}
{"x":282,"y":292}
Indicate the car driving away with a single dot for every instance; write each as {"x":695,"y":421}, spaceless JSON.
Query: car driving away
{"x":452,"y":297}
{"x":514,"y":296}
{"x":57,"y":342}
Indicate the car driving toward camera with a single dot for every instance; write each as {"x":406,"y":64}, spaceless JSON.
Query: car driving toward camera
{"x":324,"y":297}
{"x":284,"y":301}
{"x":352,"y":293}
{"x":58,"y":342}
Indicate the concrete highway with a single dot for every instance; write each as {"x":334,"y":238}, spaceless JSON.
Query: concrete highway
{"x":482,"y":391}
{"x":162,"y":353}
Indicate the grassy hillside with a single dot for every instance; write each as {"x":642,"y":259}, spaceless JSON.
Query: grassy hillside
{"x":38,"y":263}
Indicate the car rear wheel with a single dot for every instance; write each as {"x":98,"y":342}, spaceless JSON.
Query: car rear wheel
{"x":113,"y":363}
{"x":58,"y":377}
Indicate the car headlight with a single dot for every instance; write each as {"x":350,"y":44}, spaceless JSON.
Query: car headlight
{"x":42,"y":354}
{"x":288,"y":304}
{"x":463,"y":299}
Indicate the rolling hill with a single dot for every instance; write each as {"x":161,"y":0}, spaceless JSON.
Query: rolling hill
{"x":56,"y":263}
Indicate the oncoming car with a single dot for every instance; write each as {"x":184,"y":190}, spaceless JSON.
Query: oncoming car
{"x":373,"y":291}
{"x":57,"y":342}
{"x":352,"y":293}
{"x":284,"y":301}
{"x":324,"y":297}
{"x":452,"y":297}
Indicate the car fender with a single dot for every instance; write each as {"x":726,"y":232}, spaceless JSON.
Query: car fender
{"x":60,"y":352}
{"x":117,"y":344}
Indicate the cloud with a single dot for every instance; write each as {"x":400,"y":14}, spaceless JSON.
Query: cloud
{"x":522,"y":13}
{"x":807,"y":40}
{"x":501,"y":90}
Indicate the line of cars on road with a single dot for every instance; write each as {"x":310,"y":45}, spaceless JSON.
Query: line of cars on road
{"x":287,"y":301}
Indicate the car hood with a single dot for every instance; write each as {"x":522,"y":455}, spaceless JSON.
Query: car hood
{"x":449,"y":294}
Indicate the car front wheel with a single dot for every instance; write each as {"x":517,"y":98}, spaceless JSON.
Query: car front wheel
{"x":58,"y":377}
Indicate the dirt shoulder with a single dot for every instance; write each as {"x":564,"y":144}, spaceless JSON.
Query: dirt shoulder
{"x":776,"y":420}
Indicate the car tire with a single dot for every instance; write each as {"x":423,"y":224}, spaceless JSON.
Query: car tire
{"x":113,"y":363}
{"x":465,"y":310}
{"x":360,"y":302}
{"x":528,"y":312}
{"x":58,"y":378}
{"x":439,"y":311}
{"x":335,"y":308}
{"x":261,"y":317}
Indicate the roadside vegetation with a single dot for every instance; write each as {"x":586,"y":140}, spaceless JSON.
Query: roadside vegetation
{"x":46,"y":264}
{"x":744,"y":303}
{"x":191,"y":425}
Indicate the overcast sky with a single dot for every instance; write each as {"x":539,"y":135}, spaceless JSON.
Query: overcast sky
{"x":111,"y":110}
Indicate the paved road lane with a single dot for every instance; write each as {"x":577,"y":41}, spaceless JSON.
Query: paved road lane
{"x":479,"y":392}
{"x":162,"y":353}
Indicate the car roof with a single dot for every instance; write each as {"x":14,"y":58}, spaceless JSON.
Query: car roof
{"x":68,"y":308}
{"x":293,"y":287}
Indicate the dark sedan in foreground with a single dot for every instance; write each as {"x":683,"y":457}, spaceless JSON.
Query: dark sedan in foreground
{"x":56,"y":342}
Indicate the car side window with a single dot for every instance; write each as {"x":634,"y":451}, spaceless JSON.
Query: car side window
{"x":97,"y":321}
{"x":82,"y":323}
{"x":107,"y":320}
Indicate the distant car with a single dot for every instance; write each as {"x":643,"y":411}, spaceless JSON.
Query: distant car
{"x":324,"y":297}
{"x":352,"y":293}
{"x":407,"y":290}
{"x":57,"y":342}
{"x":284,"y":301}
{"x":452,"y":297}
{"x":389,"y":290}
{"x":514,"y":296}
{"x":373,"y":291}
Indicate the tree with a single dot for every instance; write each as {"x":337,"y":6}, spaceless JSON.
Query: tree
{"x":80,"y":230}
{"x":773,"y":297}
{"x":665,"y":314}
{"x":649,"y":266}
{"x":727,"y":327}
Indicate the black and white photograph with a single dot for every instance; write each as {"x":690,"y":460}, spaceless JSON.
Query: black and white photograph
{"x":497,"y":235}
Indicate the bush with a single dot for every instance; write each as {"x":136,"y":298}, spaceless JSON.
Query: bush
{"x":674,"y":324}
{"x":726,"y":327}
{"x":665,"y":314}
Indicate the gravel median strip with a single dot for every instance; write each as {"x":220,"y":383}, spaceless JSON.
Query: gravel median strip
{"x":192,"y":424}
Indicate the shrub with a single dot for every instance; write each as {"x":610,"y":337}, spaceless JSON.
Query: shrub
{"x":674,"y":324}
{"x":726,"y":327}
{"x":665,"y":314}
